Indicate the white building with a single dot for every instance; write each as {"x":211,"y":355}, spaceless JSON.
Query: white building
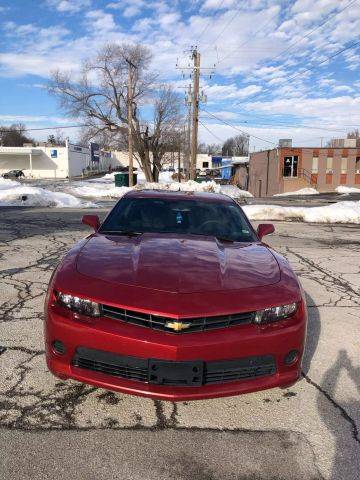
{"x":51,"y":161}
{"x":170,"y":160}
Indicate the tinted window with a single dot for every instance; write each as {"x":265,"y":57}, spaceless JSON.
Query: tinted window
{"x":224,"y":220}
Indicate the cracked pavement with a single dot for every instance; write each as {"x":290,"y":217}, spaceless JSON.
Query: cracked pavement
{"x":48,"y":427}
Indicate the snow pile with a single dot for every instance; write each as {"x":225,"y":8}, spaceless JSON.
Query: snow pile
{"x":6,"y":183}
{"x":92,"y":189}
{"x":343,"y":189}
{"x":302,"y":191}
{"x":234,"y":192}
{"x":16,"y":194}
{"x":189,"y":186}
{"x":341,"y":212}
{"x":104,"y":187}
{"x":166,"y":177}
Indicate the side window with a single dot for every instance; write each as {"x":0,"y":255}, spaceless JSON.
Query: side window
{"x":205,"y":164}
{"x":315,"y":165}
{"x":329,"y":165}
{"x":357,"y":165}
{"x":343,"y":165}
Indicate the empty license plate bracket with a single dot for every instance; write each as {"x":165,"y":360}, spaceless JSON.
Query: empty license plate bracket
{"x":163,"y":372}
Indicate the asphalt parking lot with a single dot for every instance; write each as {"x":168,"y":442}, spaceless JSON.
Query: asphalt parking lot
{"x":50,"y":428}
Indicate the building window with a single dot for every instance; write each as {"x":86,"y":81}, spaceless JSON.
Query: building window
{"x":329,"y":165}
{"x":315,"y":165}
{"x":357,"y":165}
{"x":343,"y":165}
{"x":290,"y":166}
{"x":205,"y":164}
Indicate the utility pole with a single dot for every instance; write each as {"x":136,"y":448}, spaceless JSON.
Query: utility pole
{"x":188,"y":133}
{"x":195,"y":112}
{"x":193,"y":99}
{"x":130,"y":91}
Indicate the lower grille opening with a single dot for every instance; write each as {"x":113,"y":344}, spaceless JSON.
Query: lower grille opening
{"x":174,"y":373}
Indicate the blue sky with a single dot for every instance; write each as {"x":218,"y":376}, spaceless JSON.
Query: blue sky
{"x":261,"y":50}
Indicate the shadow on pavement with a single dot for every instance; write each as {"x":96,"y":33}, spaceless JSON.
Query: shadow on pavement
{"x":313,"y":333}
{"x":328,"y":408}
{"x":346,"y":462}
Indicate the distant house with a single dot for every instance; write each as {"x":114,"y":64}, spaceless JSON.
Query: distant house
{"x":233,"y":169}
{"x":287,"y":169}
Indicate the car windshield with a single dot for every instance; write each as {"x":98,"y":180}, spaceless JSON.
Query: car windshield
{"x":138,"y":215}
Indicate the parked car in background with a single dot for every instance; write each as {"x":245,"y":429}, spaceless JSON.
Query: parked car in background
{"x":175,"y":297}
{"x":13,"y":174}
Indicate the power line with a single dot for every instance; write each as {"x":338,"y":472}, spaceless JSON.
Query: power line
{"x":283,"y":124}
{"x":211,"y":133}
{"x":209,"y":23}
{"x":310,"y":69}
{"x":314,"y":29}
{"x":326,"y":59}
{"x":248,"y":40}
{"x":226,"y":25}
{"x":238,"y":129}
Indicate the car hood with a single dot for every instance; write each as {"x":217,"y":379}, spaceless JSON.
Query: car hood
{"x":172,"y":264}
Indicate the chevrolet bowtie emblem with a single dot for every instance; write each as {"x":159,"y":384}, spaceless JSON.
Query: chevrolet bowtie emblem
{"x":177,"y":326}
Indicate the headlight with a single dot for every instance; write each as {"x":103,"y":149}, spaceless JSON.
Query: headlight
{"x":274,"y":314}
{"x":79,"y":305}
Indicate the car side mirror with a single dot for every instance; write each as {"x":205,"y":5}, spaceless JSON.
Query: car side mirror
{"x":92,"y":220}
{"x":265,"y":229}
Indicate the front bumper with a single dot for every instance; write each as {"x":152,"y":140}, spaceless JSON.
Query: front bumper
{"x":116,"y":337}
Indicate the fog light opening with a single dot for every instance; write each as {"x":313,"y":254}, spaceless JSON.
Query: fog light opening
{"x":59,"y":347}
{"x":291,"y":357}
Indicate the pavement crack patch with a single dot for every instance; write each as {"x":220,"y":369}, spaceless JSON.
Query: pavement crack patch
{"x":346,"y":416}
{"x":329,"y":280}
{"x":161,"y":420}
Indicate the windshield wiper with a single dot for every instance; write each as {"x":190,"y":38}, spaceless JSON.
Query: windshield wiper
{"x":128,"y":233}
{"x":224,"y":239}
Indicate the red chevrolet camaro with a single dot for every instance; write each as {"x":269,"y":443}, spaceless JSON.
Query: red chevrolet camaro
{"x":175,"y":297}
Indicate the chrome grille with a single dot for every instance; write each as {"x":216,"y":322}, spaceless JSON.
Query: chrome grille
{"x":158,"y":322}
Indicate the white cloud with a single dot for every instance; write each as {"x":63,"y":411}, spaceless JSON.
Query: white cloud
{"x":232,"y":91}
{"x":100,"y":20}
{"x":35,"y":119}
{"x":218,"y":4}
{"x":244,"y":52}
{"x":130,"y":8}
{"x":69,"y":6}
{"x":342,"y":88}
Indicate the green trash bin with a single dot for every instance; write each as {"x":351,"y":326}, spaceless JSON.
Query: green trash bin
{"x":201,"y":179}
{"x":122,"y":179}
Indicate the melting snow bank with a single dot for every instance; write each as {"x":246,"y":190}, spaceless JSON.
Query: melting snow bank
{"x":341,"y":212}
{"x":234,"y":192}
{"x":302,"y":191}
{"x":96,"y":189}
{"x":16,"y":194}
{"x":343,"y":189}
{"x":104,"y":187}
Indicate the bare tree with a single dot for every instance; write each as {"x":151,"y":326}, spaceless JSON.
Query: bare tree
{"x":236,"y":146}
{"x":99,"y":98}
{"x":57,"y":140}
{"x":14,"y":136}
{"x":210,"y":149}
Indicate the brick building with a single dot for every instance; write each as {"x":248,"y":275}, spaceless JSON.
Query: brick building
{"x":287,"y":169}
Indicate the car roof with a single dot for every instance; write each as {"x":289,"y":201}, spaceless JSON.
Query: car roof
{"x":179,"y":195}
